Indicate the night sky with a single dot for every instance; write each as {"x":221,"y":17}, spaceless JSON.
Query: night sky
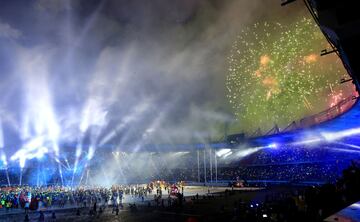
{"x":130,"y":72}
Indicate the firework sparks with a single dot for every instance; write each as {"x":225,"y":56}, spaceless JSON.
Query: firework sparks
{"x":277,"y":76}
{"x":264,"y":60}
{"x":311,"y":58}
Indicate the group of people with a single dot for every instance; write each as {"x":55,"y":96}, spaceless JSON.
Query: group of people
{"x":30,"y":198}
{"x":37,"y":198}
{"x":304,"y":204}
{"x":305,"y":172}
{"x":299,"y":164}
{"x":311,"y":203}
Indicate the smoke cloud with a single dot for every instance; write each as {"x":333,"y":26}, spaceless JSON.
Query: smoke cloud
{"x":123,"y":72}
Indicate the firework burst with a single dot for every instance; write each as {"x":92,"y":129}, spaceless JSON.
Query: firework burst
{"x":276,"y":75}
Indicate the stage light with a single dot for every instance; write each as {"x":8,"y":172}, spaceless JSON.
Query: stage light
{"x":34,"y":143}
{"x":136,"y":113}
{"x":181,"y":153}
{"x":91,"y":152}
{"x":330,"y":136}
{"x":3,"y":159}
{"x":264,"y":215}
{"x":41,"y":152}
{"x":94,"y":114}
{"x":227,"y":154}
{"x":246,"y":152}
{"x":116,"y":154}
{"x":223,"y":152}
{"x":356,"y":205}
{"x":78,"y":153}
{"x":57,"y":160}
{"x":346,"y":150}
{"x":273,"y":145}
{"x":350,"y":145}
{"x":1,"y":136}
{"x":22,"y":162}
{"x":307,"y":141}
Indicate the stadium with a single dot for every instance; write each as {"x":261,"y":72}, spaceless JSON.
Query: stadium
{"x":198,"y":110}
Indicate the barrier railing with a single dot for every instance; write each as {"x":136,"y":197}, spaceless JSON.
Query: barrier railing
{"x":315,"y":119}
{"x":328,"y":114}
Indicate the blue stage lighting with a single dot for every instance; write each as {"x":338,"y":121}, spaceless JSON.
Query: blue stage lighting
{"x":273,"y":145}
